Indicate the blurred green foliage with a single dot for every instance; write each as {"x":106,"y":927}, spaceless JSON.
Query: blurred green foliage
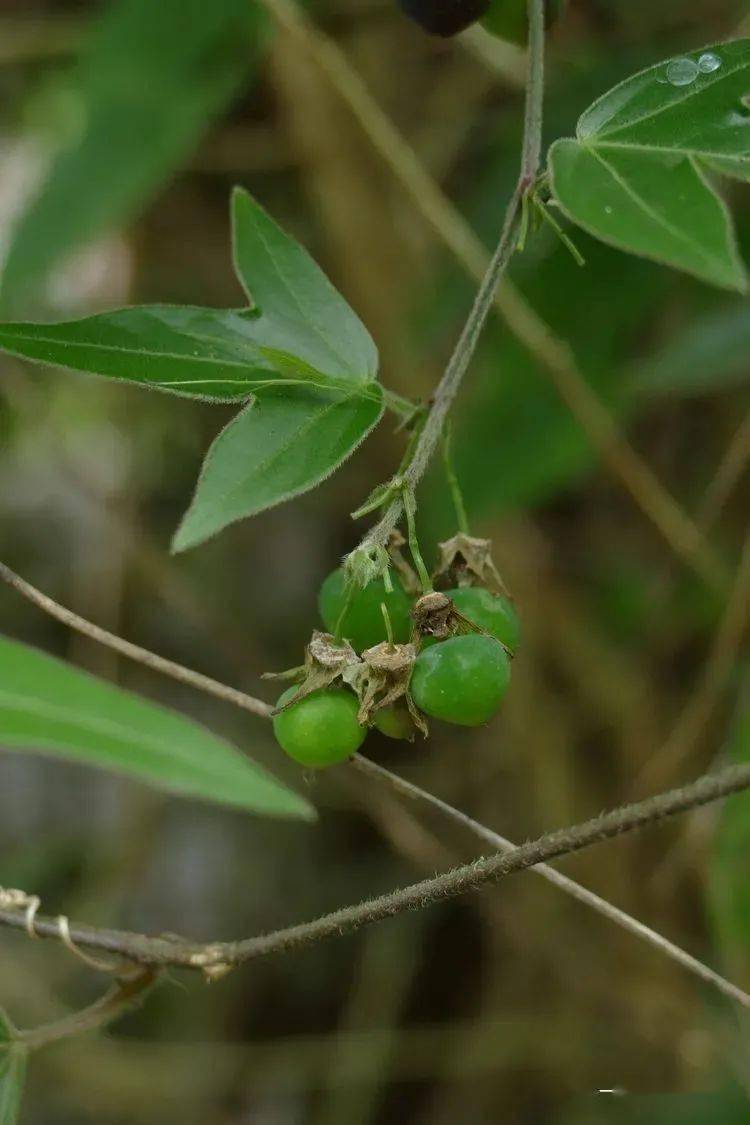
{"x":507,"y":1007}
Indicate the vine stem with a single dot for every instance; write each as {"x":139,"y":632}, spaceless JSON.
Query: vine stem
{"x":363,"y":765}
{"x":133,"y":652}
{"x":452,"y":377}
{"x":554,"y":356}
{"x":607,"y":909}
{"x":218,"y":957}
{"x":126,"y":993}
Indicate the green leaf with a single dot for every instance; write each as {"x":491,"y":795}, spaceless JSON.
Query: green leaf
{"x":635,"y":175}
{"x":12,"y":1077}
{"x":51,"y":707}
{"x":281,"y":445}
{"x":703,"y":112}
{"x":302,"y":314}
{"x":198,"y":353}
{"x":658,"y":205}
{"x":151,"y":80}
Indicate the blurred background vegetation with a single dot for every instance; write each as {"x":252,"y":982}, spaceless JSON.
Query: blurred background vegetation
{"x":124,"y":126}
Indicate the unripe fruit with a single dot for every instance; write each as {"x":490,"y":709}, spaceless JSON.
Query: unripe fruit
{"x":394,"y":722}
{"x":494,"y":613}
{"x":461,"y":680}
{"x":321,"y":729}
{"x":363,"y":624}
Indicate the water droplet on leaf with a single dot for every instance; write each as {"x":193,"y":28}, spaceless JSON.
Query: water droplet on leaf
{"x":682,"y":72}
{"x":708,"y":63}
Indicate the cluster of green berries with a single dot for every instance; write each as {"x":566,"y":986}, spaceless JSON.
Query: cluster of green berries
{"x":461,"y":679}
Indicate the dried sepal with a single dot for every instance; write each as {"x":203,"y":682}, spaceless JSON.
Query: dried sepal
{"x":326,"y":660}
{"x":382,"y":679}
{"x":432,"y":615}
{"x":465,"y":560}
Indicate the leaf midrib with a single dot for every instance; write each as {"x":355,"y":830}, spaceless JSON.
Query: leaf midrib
{"x":263,"y":466}
{"x":659,"y":219}
{"x":304,"y":314}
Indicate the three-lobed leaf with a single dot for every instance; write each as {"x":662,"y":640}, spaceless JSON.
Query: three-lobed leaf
{"x":301,"y":313}
{"x":635,"y":176}
{"x":300,"y":353}
{"x":279,"y":446}
{"x":51,"y":707}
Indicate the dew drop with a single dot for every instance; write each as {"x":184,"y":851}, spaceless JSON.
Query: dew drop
{"x":607,"y":210}
{"x":708,"y":63}
{"x":681,"y":72}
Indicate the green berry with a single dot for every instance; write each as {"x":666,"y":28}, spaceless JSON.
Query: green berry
{"x":363,"y":625}
{"x":394,"y":722}
{"x":321,"y":729}
{"x":461,"y":680}
{"x":494,"y":613}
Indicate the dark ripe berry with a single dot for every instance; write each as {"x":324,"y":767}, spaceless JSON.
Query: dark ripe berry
{"x":461,"y":680}
{"x":508,"y":18}
{"x":494,"y":613}
{"x":321,"y":729}
{"x":363,"y":624}
{"x":444,"y":17}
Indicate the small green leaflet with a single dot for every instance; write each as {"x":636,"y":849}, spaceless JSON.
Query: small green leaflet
{"x":302,"y":315}
{"x":636,"y":174}
{"x":300,"y":354}
{"x":51,"y":707}
{"x":280,"y":446}
{"x":12,"y":1077}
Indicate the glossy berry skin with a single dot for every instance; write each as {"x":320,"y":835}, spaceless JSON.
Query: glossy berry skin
{"x":461,"y":680}
{"x":363,"y":625}
{"x":321,"y":729}
{"x":394,"y":722}
{"x":444,"y":17}
{"x":493,"y":613}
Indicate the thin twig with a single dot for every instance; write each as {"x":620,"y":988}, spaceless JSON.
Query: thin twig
{"x":399,"y":785}
{"x":458,"y":364}
{"x":126,"y":993}
{"x":555,"y":357}
{"x":131,"y":651}
{"x":363,"y":765}
{"x":220,"y":956}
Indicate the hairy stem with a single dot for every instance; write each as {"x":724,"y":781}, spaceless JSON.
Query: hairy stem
{"x":452,"y":377}
{"x":51,"y":927}
{"x":556,"y":878}
{"x":133,"y":652}
{"x":127,"y":993}
{"x":459,"y":880}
